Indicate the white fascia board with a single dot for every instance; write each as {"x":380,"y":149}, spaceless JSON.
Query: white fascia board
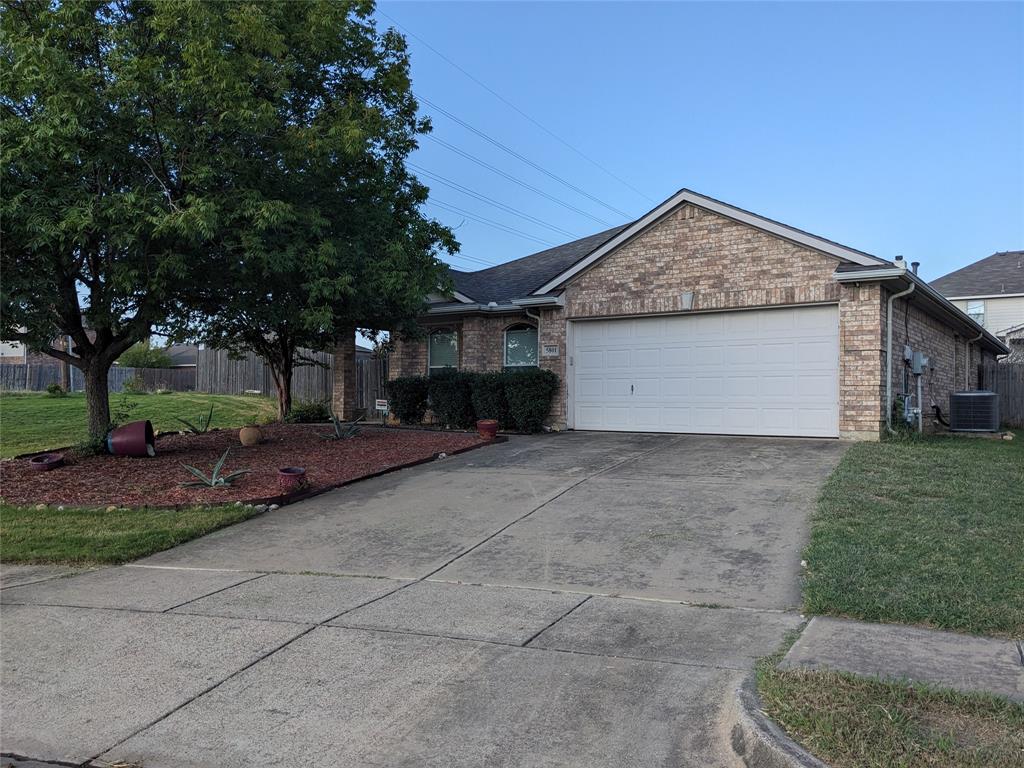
{"x":987,"y":296}
{"x":464,"y":309}
{"x":541,"y":301}
{"x":723,"y":209}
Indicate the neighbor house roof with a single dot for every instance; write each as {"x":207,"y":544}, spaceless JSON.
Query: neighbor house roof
{"x":996,"y":275}
{"x":519,"y":278}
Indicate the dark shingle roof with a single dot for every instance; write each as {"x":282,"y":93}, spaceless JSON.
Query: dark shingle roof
{"x":518,"y":279}
{"x":1001,"y":272}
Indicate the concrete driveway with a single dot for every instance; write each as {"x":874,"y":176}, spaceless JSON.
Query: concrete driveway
{"x":584,"y":599}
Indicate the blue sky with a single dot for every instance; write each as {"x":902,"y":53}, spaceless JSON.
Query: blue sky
{"x":895,"y":128}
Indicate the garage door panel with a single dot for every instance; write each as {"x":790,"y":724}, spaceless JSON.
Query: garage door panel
{"x":771,"y":372}
{"x":646,"y":358}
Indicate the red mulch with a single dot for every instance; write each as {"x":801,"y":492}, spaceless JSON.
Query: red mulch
{"x":103,"y":480}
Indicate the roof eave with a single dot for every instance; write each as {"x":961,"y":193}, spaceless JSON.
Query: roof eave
{"x":898,"y":278}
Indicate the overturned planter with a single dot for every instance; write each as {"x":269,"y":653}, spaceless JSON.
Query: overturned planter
{"x":134,"y":439}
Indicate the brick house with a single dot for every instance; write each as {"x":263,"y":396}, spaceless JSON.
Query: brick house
{"x":702,"y":317}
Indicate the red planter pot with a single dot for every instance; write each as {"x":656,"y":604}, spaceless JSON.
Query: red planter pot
{"x":134,"y":439}
{"x":487,"y":428}
{"x":291,"y":479}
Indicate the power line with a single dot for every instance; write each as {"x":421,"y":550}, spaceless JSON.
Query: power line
{"x":522,"y":158}
{"x":512,"y":106}
{"x":488,"y":222}
{"x":520,"y":182}
{"x":489,"y":200}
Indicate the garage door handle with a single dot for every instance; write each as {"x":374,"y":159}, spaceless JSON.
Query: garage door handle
{"x":631,"y":389}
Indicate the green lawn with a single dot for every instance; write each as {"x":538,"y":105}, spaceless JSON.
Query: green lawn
{"x":925,"y":531}
{"x":850,"y":722}
{"x":36,"y":422}
{"x":91,"y":536}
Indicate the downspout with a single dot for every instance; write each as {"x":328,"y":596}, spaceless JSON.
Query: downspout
{"x":967,"y":362}
{"x":888,"y":354}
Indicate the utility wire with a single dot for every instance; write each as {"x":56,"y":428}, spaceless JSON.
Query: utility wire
{"x":489,"y":200}
{"x":520,"y":182}
{"x":488,"y":222}
{"x":512,"y":106}
{"x":522,"y":158}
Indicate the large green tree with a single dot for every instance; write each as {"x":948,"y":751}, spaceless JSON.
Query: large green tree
{"x":168,"y":161}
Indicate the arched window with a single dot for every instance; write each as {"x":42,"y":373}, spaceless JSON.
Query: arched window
{"x":521,"y":346}
{"x":442,"y":350}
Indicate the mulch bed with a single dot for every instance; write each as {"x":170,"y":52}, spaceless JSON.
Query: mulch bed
{"x":104,"y":480}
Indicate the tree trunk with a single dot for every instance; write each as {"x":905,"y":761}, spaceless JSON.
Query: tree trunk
{"x":96,"y":398}
{"x":282,"y":374}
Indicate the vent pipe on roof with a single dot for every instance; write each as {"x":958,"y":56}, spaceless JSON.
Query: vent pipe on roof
{"x":914,"y":265}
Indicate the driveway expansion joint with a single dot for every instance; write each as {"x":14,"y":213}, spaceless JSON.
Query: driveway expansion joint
{"x":214,"y":592}
{"x":550,"y":625}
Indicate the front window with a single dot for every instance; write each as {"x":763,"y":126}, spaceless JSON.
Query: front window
{"x":521,"y":347}
{"x":442,"y":350}
{"x":976,"y":311}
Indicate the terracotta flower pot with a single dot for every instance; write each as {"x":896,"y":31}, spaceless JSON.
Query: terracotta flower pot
{"x":291,"y":479}
{"x":250,"y":436}
{"x":487,"y":428}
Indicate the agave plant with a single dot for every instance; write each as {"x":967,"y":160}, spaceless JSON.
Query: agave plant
{"x":215,"y":479}
{"x":203,"y":423}
{"x":343,"y":430}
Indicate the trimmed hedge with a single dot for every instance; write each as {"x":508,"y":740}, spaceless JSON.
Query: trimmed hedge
{"x":489,"y":401}
{"x":529,"y":393}
{"x":451,"y":400}
{"x":517,"y":399}
{"x":408,"y":398}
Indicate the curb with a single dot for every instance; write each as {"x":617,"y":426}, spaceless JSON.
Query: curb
{"x":756,"y":739}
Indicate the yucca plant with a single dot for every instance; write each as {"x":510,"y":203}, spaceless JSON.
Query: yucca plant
{"x":215,"y":479}
{"x":343,"y":430}
{"x":203,"y":425}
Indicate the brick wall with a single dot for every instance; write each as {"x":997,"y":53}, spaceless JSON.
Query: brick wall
{"x":724,"y":263}
{"x":954,"y":360}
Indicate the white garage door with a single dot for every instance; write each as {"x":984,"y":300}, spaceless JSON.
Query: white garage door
{"x":754,"y":372}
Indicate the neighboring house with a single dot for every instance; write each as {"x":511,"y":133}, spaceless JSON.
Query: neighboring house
{"x":12,"y":352}
{"x":991,"y":291}
{"x":183,"y":355}
{"x":700,"y":317}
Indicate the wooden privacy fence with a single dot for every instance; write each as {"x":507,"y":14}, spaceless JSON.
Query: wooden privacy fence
{"x":1008,"y":380}
{"x":221,"y":374}
{"x":36,"y":378}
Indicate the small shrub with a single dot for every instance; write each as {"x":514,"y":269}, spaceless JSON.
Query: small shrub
{"x":135,"y":385}
{"x":309,"y":412}
{"x":342,"y":430}
{"x":450,"y":396}
{"x":55,"y":390}
{"x":142,"y":355}
{"x":408,"y":398}
{"x":202,"y":425}
{"x":529,"y":394}
{"x":488,"y":397}
{"x":123,"y":411}
{"x":215,"y":479}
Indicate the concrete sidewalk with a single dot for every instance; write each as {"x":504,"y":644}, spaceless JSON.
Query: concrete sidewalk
{"x":518,"y":606}
{"x":894,"y":652}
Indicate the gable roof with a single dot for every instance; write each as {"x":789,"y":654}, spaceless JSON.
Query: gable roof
{"x":518,"y":279}
{"x":546,"y":271}
{"x":683,"y":196}
{"x":998,"y":274}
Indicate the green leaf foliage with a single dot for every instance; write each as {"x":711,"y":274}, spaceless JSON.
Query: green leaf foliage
{"x":450,"y":396}
{"x":408,"y":398}
{"x":142,"y":355}
{"x":221,"y":170}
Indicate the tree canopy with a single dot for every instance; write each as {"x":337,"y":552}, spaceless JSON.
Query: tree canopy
{"x":229,"y":170}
